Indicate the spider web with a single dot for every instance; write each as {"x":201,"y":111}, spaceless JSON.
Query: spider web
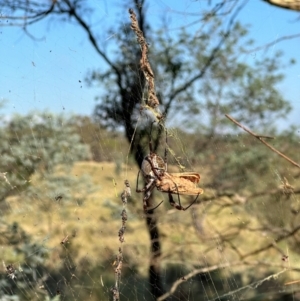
{"x":64,"y":233}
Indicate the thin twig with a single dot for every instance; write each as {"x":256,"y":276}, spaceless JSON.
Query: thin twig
{"x":252,"y":285}
{"x":272,"y":244}
{"x":259,"y":137}
{"x":292,"y":282}
{"x":267,"y":46}
{"x":209,"y":60}
{"x":194,"y":273}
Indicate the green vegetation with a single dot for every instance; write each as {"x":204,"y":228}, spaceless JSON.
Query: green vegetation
{"x":62,"y":177}
{"x":242,"y":210}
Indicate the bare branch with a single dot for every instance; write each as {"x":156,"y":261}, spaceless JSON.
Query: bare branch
{"x":216,"y":11}
{"x":216,"y":267}
{"x":194,"y":273}
{"x":210,"y":59}
{"x":252,"y":285}
{"x":259,"y":137}
{"x":86,"y":27}
{"x":273,"y":244}
{"x":37,"y":12}
{"x":266,"y":46}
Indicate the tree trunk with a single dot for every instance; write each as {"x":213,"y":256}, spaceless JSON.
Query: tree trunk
{"x":155,"y":279}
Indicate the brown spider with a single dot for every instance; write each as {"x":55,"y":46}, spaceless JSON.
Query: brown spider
{"x":154,"y":170}
{"x":10,"y":270}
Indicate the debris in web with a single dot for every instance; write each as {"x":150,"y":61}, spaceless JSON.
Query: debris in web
{"x":118,"y":263}
{"x":145,"y":66}
{"x":286,"y":187}
{"x":10,"y":270}
{"x":65,"y":240}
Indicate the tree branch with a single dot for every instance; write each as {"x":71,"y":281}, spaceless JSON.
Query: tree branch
{"x":266,"y":46}
{"x":259,"y":137}
{"x":194,"y":273}
{"x":211,"y":57}
{"x":272,"y":244}
{"x":92,"y":39}
{"x":222,"y":266}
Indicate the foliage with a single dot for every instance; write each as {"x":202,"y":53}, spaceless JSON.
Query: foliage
{"x":230,"y":84}
{"x":21,"y":282}
{"x":37,"y":143}
{"x":106,"y":145}
{"x":53,"y":189}
{"x":89,"y":255}
{"x":37,"y":148}
{"x":200,"y":75}
{"x":240,"y":162}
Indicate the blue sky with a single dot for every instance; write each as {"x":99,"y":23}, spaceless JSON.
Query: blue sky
{"x":49,"y":74}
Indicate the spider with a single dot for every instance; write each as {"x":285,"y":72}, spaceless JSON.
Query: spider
{"x":154,"y":170}
{"x":10,"y":270}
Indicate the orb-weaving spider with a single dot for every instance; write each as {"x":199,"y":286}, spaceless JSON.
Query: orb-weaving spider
{"x":154,"y":170}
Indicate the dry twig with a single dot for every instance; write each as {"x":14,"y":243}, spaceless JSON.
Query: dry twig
{"x":270,"y":44}
{"x":259,"y":137}
{"x":252,"y":285}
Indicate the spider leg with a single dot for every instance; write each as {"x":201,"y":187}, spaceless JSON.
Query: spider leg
{"x":147,"y":186}
{"x":171,"y":201}
{"x":148,"y":191}
{"x":152,"y":209}
{"x":178,"y":196}
{"x":186,"y":208}
{"x":154,"y":169}
{"x":147,"y":197}
{"x":137,"y":182}
{"x":166,"y":149}
{"x":178,"y":206}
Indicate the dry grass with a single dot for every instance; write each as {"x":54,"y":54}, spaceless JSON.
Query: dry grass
{"x":92,"y":227}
